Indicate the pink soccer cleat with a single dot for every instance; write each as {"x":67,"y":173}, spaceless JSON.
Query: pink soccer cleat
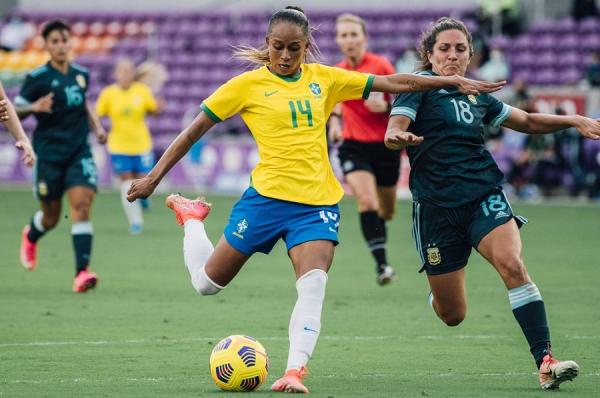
{"x":28,"y":251}
{"x":188,"y":209}
{"x":553,"y":372}
{"x":84,"y":281}
{"x":292,"y":381}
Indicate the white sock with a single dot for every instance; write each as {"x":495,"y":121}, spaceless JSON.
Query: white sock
{"x":197,"y":248}
{"x":37,"y":221}
{"x":305,"y":323}
{"x":133,"y":210}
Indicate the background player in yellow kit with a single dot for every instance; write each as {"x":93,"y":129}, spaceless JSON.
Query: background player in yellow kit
{"x":126,"y":103}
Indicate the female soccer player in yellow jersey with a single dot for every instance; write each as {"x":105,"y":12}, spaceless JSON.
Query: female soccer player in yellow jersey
{"x":293,"y":192}
{"x":129,"y":142}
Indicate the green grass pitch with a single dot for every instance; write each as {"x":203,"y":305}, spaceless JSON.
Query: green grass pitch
{"x":145,"y":332}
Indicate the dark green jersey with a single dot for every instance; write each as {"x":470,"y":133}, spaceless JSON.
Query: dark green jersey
{"x":451,"y":166}
{"x":65,"y":130}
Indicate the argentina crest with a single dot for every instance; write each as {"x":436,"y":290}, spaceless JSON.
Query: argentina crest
{"x":433,"y":256}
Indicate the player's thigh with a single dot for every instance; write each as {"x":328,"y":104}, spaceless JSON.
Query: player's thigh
{"x":502,"y":247}
{"x":387,"y":201}
{"x":316,"y":254}
{"x":81,"y":171}
{"x":224,"y":263}
{"x":49,"y":179}
{"x":362,"y":185}
{"x":80,"y":200}
{"x":449,"y":293}
{"x":441,"y":244}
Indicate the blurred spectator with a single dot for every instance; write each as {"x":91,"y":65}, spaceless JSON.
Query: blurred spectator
{"x":15,"y":34}
{"x":592,"y":73}
{"x":500,"y":17}
{"x":408,"y":62}
{"x":584,"y":9}
{"x":496,"y":68}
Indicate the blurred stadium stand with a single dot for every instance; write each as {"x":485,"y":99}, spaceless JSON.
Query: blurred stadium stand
{"x":195,"y":46}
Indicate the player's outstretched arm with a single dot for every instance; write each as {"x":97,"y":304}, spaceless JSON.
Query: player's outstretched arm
{"x":143,"y":187}
{"x":396,"y":136}
{"x":542,"y":123}
{"x":408,"y":82}
{"x":10,"y":119}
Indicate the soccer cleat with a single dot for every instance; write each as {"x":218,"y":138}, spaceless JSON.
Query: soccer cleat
{"x":553,"y":372}
{"x":28,"y":250}
{"x":385,"y":275}
{"x":186,"y":209}
{"x":84,"y":281}
{"x":292,"y":381}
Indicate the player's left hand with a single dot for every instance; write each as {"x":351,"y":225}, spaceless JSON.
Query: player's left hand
{"x":475,"y":87}
{"x":589,"y":128}
{"x":3,"y":110}
{"x":101,"y":136}
{"x":140,"y":188}
{"x":28,"y":156}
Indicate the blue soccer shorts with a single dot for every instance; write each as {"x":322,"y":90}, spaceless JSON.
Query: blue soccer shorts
{"x":256,"y":223}
{"x":139,"y":164}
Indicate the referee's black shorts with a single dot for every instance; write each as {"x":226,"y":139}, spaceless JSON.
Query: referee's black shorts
{"x":373,"y":157}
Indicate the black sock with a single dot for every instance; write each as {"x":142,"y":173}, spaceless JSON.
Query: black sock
{"x":82,"y":244}
{"x":532,"y":319}
{"x":373,"y":230}
{"x":34,"y":234}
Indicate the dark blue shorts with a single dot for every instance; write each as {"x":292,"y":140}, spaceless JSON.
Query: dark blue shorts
{"x":139,"y":164}
{"x":445,"y":236}
{"x":256,"y":223}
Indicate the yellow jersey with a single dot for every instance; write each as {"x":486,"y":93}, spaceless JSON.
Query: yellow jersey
{"x":127,"y":109}
{"x":287,"y":117}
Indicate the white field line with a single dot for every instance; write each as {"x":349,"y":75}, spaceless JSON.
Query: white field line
{"x":216,"y":339}
{"x":155,"y":380}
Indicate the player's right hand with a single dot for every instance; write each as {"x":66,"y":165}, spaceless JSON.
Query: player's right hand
{"x":140,"y":188}
{"x":43,"y":104}
{"x":28,"y":156}
{"x":3,"y":110}
{"x":475,"y":87}
{"x":396,"y":139}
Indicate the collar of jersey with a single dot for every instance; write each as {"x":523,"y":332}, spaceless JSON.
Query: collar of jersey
{"x":294,"y":78}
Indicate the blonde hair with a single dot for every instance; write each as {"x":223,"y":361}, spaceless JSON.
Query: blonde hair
{"x":291,"y":14}
{"x":347,"y":17}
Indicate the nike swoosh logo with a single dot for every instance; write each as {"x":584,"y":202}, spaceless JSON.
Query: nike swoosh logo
{"x":268,"y":94}
{"x":306,"y":328}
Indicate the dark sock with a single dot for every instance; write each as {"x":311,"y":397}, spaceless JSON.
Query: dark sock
{"x":531,"y":316}
{"x":82,"y":245}
{"x":373,"y":230}
{"x":34,"y":234}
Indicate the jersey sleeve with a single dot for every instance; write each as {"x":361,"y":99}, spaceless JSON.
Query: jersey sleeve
{"x":407,"y":104}
{"x":30,"y":92}
{"x":226,"y":101}
{"x":497,"y":112}
{"x":102,"y":103}
{"x":349,"y":85}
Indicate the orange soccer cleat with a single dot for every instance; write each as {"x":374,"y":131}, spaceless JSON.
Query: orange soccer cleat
{"x":28,"y":251}
{"x":84,"y":281}
{"x":188,"y":209}
{"x":292,"y":381}
{"x":553,"y":372}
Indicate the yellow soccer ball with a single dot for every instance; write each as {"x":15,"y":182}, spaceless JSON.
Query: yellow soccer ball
{"x":239,"y":363}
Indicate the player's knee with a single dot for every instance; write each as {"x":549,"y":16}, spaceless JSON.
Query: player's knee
{"x":204,"y":285}
{"x":452,"y":317}
{"x":513,"y":271}
{"x":366,"y":203}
